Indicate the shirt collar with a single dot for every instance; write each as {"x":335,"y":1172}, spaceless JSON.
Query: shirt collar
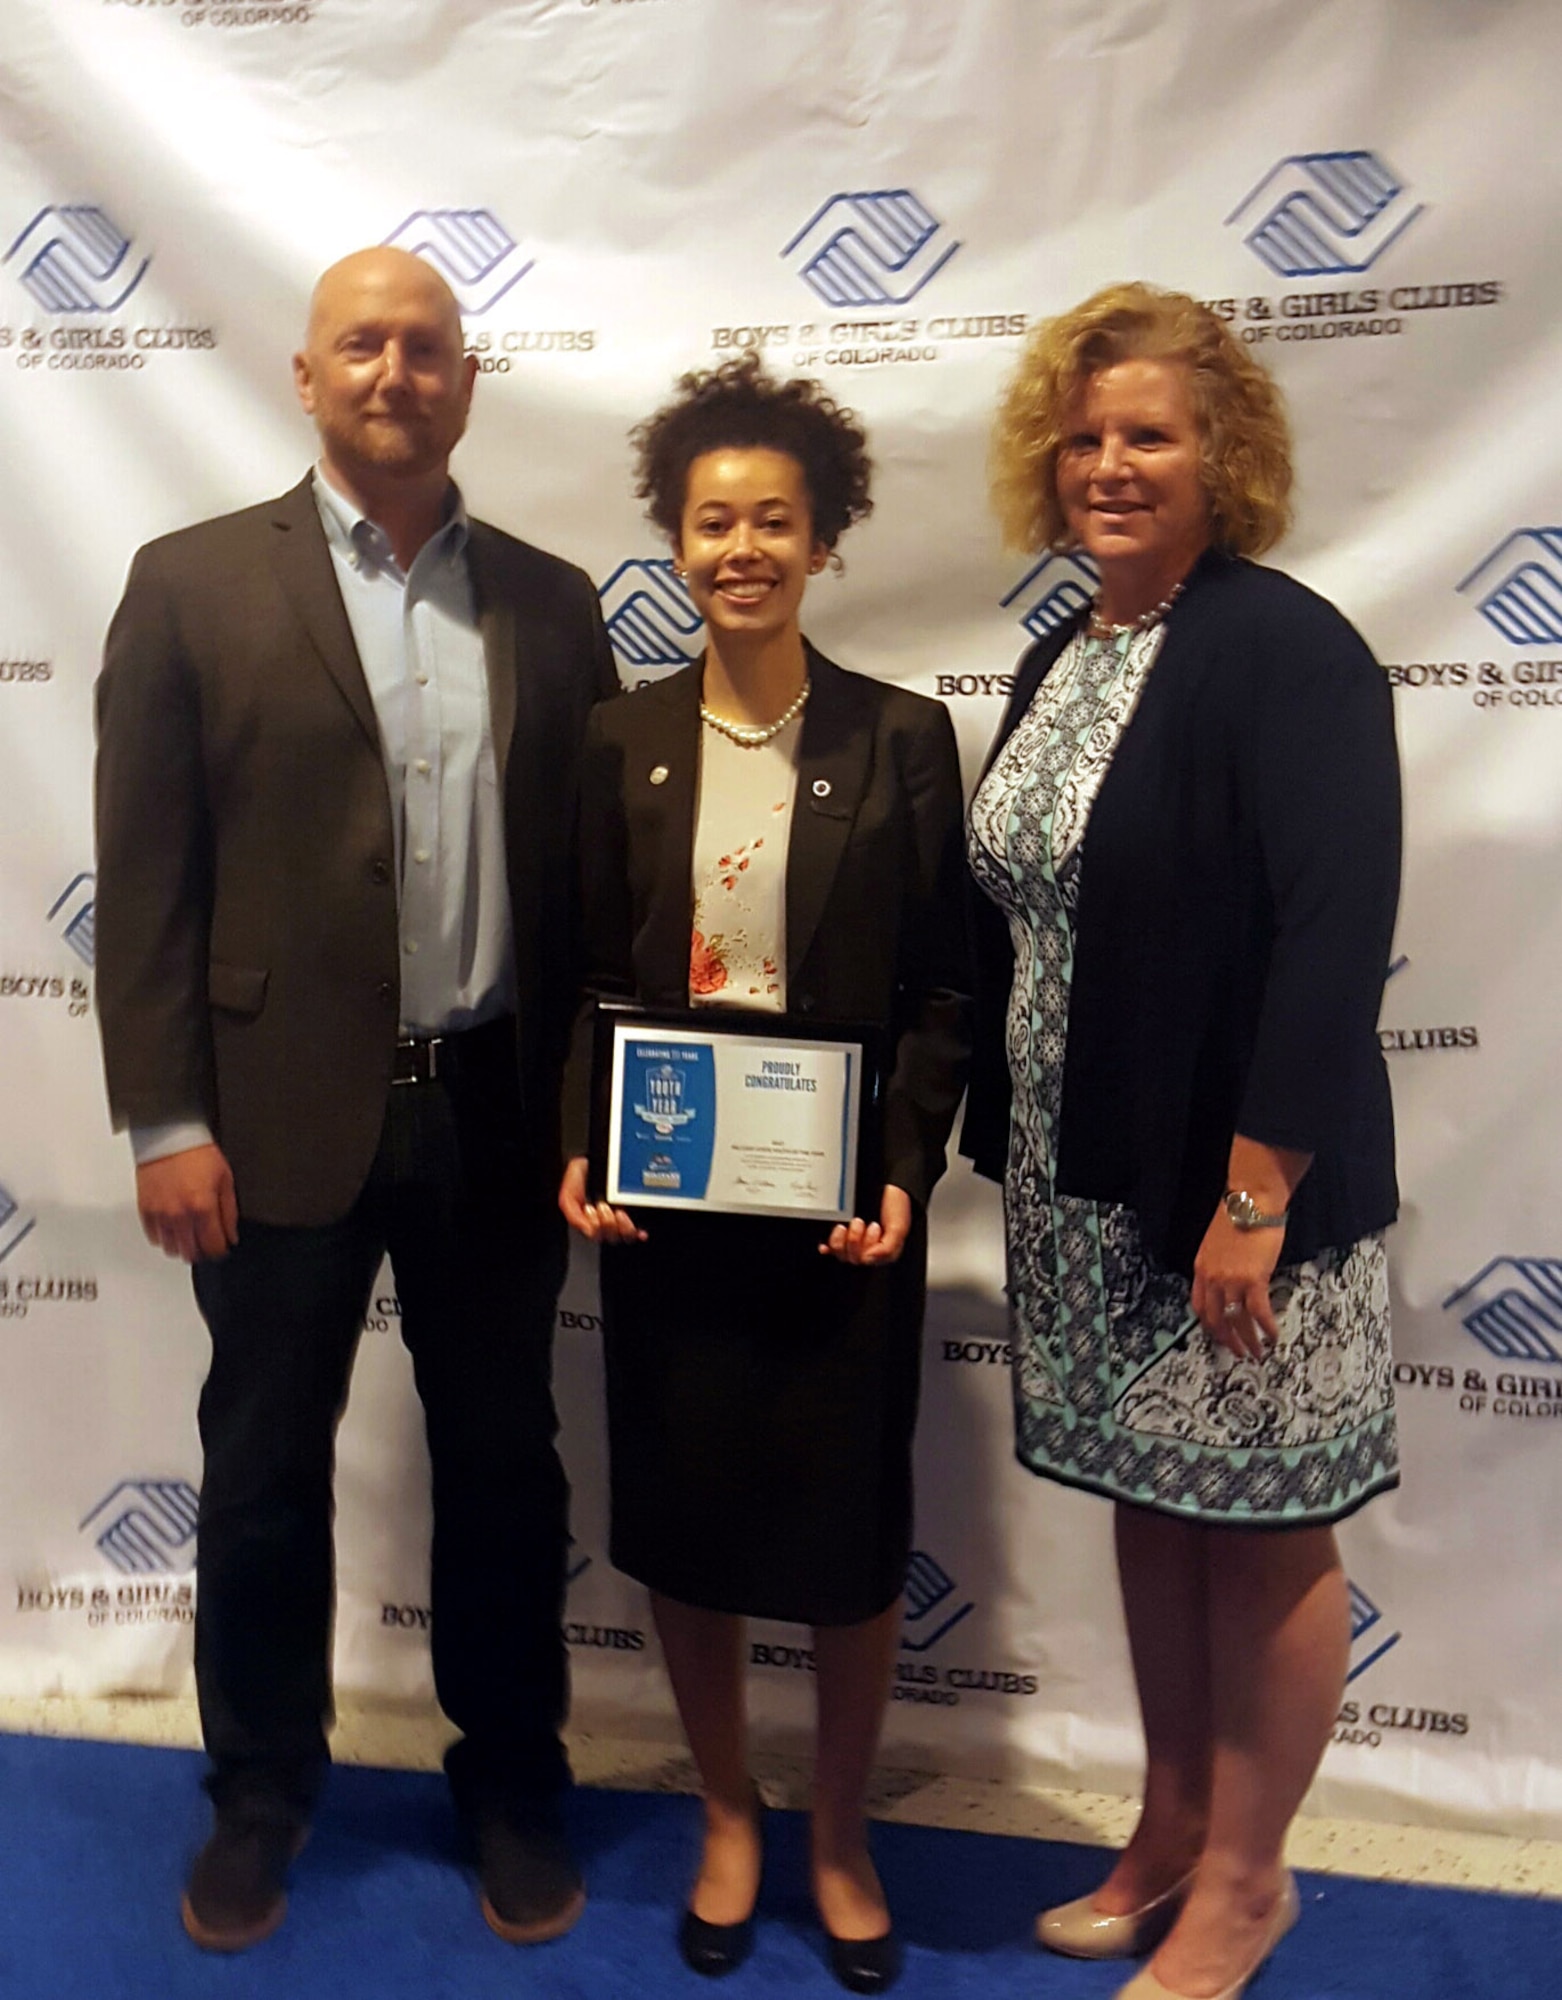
{"x":366,"y":545}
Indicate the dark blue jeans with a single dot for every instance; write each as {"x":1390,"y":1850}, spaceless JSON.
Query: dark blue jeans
{"x":478,"y":1261}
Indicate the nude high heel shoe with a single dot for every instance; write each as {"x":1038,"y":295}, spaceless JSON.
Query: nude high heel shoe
{"x":1145,"y":1986}
{"x":1080,"y":1930}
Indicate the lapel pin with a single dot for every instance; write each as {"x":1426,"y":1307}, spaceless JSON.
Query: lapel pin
{"x":659,"y":774}
{"x":821,"y":788}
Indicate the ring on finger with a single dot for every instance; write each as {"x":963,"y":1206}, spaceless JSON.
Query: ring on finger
{"x":1232,"y":1309}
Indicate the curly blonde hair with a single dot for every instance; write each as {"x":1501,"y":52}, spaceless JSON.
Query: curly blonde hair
{"x":1246,"y":440}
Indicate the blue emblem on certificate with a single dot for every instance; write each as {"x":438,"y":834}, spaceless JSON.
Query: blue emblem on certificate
{"x":738,"y":1122}
{"x":668,"y":1126}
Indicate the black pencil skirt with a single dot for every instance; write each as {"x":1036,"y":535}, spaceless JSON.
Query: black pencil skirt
{"x":761,"y":1403}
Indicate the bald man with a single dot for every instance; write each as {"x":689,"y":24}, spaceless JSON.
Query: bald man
{"x":336,"y":781}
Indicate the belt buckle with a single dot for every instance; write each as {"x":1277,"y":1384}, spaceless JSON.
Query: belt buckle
{"x":417,"y":1059}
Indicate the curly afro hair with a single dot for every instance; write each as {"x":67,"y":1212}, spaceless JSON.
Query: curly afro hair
{"x":740,"y":405}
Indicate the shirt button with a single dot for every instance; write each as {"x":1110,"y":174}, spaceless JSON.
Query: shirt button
{"x":422,"y":680}
{"x":421,"y":854}
{"x":410,"y":947}
{"x":422,"y":767}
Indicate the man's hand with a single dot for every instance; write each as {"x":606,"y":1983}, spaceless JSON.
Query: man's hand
{"x":188,"y":1208}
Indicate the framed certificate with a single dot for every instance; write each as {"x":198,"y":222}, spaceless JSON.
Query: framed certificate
{"x":734,"y":1113}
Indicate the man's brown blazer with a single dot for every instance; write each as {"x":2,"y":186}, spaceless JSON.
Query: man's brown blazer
{"x":247,"y":945}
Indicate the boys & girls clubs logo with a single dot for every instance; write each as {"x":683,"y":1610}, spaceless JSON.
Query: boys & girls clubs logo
{"x":581,"y":1634}
{"x":868,"y":255}
{"x":80,"y":268}
{"x":1516,"y":588}
{"x":650,"y":619}
{"x":1399,"y":1040}
{"x":143,"y":1528}
{"x":225,"y":13}
{"x":72,"y":918}
{"x":482,"y":263}
{"x":21,"y":1288}
{"x":1335,"y":216}
{"x":936,"y":1608}
{"x":1052,"y":592}
{"x":1365,"y":1724}
{"x":1511,"y":1310}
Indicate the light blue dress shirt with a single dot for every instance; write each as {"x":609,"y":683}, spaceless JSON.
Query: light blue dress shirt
{"x":422,"y":655}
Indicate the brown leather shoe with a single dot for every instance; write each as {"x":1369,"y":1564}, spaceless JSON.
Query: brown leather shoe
{"x":531,"y":1887}
{"x":235,"y":1895}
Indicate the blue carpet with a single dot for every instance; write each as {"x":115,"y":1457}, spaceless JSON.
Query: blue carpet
{"x":94,"y":1840}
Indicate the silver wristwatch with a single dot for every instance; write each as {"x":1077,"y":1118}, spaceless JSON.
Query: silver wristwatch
{"x":1245,"y":1213}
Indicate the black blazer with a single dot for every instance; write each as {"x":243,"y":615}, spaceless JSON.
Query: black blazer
{"x":1236,"y":910}
{"x":875,"y":909}
{"x":248,"y":961}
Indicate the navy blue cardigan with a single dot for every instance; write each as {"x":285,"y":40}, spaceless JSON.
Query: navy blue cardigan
{"x":1236,"y":911}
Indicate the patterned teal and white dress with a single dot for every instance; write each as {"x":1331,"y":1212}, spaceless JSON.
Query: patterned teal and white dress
{"x":1117,"y":1388}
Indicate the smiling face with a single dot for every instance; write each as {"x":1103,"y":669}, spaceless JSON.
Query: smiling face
{"x":746,"y":540}
{"x":1130,"y":483}
{"x":382,"y":370}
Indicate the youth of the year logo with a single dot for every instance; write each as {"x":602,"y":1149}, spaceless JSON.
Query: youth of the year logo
{"x":1325,"y":214}
{"x":870,"y":249}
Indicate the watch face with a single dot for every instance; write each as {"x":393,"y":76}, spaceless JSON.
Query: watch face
{"x":1245,"y":1213}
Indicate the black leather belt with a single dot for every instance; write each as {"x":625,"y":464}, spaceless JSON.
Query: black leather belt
{"x":431,"y":1058}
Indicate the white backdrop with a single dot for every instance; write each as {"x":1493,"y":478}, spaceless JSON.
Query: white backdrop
{"x":885,"y":194}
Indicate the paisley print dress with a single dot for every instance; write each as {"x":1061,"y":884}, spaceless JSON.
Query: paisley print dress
{"x":1117,"y":1388}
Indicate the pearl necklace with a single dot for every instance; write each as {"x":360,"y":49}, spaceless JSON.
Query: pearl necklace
{"x":747,"y":734}
{"x":1102,"y":628}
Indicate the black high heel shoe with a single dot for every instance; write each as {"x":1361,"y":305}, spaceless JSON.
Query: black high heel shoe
{"x":866,"y":1965}
{"x":714,"y":1950}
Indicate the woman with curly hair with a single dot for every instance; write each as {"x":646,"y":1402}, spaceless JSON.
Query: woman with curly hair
{"x":1188,"y":839}
{"x":765,"y":831}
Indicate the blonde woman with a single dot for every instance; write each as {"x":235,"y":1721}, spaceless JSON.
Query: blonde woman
{"x":1188,"y":840}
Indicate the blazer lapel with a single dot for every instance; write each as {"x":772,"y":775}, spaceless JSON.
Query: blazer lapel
{"x":497,"y":622}
{"x":832,"y":771}
{"x":661,"y":791}
{"x":302,"y":561}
